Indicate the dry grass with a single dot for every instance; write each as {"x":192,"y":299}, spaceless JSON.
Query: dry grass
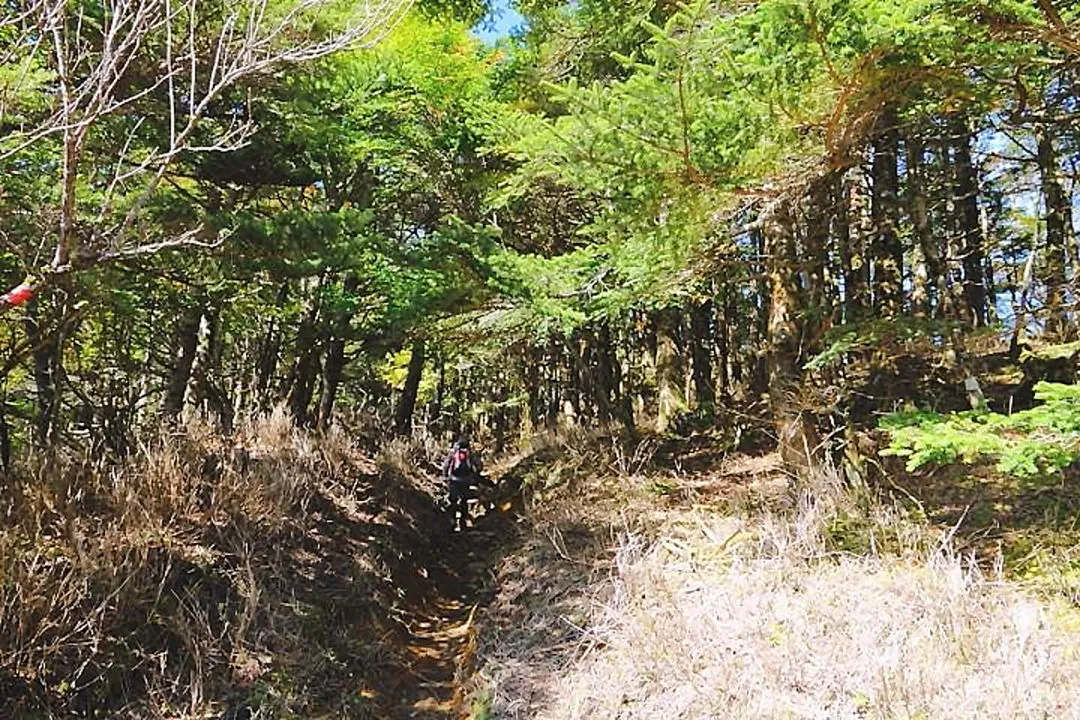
{"x":198,"y":573}
{"x":418,"y":457}
{"x":701,"y":614}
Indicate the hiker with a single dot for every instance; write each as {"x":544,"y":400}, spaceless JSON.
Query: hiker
{"x":462,"y":470}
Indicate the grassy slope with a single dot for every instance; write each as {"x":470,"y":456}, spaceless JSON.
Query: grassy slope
{"x":270,"y":577}
{"x":295,"y":579}
{"x":699,"y":588}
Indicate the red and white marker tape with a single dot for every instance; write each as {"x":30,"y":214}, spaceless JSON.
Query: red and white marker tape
{"x":17,"y":295}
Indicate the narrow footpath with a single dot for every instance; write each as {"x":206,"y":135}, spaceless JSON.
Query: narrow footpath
{"x":441,"y":648}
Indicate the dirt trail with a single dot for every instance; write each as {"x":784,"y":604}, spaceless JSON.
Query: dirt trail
{"x":441,"y":643}
{"x":460,"y":577}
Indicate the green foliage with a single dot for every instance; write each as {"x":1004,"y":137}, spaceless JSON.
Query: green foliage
{"x":23,"y":79}
{"x":706,"y":100}
{"x":585,"y":37}
{"x":603,"y":164}
{"x":466,"y":10}
{"x":880,"y":334}
{"x":1033,"y":443}
{"x":842,"y":344}
{"x":368,"y":166}
{"x":481,"y":706}
{"x":1063,"y":351}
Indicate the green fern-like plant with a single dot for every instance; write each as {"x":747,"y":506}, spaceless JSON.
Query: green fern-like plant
{"x":1037,"y":442}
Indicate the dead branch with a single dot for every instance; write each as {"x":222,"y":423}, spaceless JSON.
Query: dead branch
{"x":131,"y":51}
{"x":34,"y":284}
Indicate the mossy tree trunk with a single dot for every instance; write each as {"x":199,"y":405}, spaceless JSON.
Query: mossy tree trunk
{"x":795,"y":434}
{"x":1058,"y":208}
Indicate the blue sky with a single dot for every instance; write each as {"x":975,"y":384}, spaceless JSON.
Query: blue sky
{"x":503,"y":19}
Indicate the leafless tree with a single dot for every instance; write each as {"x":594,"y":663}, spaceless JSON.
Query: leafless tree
{"x":96,"y":60}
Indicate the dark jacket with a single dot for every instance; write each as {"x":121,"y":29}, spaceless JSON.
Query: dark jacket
{"x":470,"y":474}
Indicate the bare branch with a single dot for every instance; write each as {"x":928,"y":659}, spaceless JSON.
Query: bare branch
{"x":33,"y":285}
{"x":1052,"y":15}
{"x":193,"y":238}
{"x":136,"y":49}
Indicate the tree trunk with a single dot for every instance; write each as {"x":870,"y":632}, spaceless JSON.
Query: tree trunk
{"x":723,"y":345}
{"x":403,"y":421}
{"x":852,"y":259}
{"x":581,"y":383}
{"x":553,"y":363}
{"x":816,"y":212}
{"x":669,"y":370}
{"x":303,"y":376}
{"x":887,"y":252}
{"x":815,"y":298}
{"x":533,"y":359}
{"x":440,"y":389}
{"x":622,"y":381}
{"x":604,"y":389}
{"x":46,"y":360}
{"x":796,"y":438}
{"x":268,"y":352}
{"x":5,"y":444}
{"x":1058,"y":233}
{"x":759,"y":380}
{"x":186,"y":345}
{"x":938,"y":291}
{"x":334,"y":365}
{"x":701,"y":319}
{"x":206,"y":369}
{"x":968,"y":227}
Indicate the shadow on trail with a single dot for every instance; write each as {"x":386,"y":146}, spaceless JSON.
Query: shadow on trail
{"x":988,"y":512}
{"x":446,"y":579}
{"x":386,"y":597}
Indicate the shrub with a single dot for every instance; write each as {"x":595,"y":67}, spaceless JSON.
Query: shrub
{"x":1032,"y":443}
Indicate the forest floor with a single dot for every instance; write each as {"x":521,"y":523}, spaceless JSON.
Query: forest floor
{"x":442,"y":580}
{"x":302,"y":579}
{"x":678,"y":580}
{"x":440,"y":648}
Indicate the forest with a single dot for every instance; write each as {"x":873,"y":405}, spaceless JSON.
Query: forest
{"x":264,"y":260}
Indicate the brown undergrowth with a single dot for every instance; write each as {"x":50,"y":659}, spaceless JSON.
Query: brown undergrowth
{"x":273,"y":575}
{"x":1028,"y":526}
{"x":281,"y":576}
{"x":701,"y":585}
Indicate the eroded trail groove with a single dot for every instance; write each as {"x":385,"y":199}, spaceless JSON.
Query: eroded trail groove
{"x":440,"y":643}
{"x":442,"y":633}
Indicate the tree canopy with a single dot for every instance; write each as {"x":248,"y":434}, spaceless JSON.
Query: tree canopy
{"x":626,"y":211}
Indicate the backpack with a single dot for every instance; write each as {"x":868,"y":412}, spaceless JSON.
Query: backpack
{"x":461,"y":464}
